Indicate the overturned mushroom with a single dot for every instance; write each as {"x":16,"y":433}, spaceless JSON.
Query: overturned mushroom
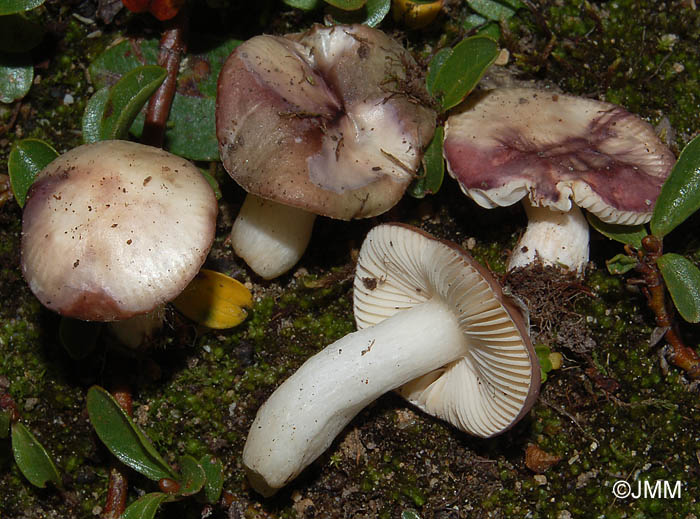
{"x":560,"y":152}
{"x":316,"y":123}
{"x":433,"y":324}
{"x":112,"y":230}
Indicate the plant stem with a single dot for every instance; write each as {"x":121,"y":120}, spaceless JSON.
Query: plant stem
{"x":682,"y":356}
{"x":173,"y":45}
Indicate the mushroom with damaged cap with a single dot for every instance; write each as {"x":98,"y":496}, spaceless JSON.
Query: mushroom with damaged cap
{"x":320,"y":122}
{"x":113,"y":230}
{"x":433,"y":324}
{"x":560,"y":152}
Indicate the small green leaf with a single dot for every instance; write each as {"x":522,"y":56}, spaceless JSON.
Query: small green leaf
{"x":145,"y":507}
{"x":304,"y":5}
{"x":27,"y":158}
{"x":494,"y":10}
{"x":482,"y":26}
{"x":18,"y":6}
{"x":463,"y":69}
{"x":79,"y":338}
{"x":347,"y":5}
{"x":193,"y":476}
{"x":433,"y":169}
{"x":627,"y":234}
{"x":410,"y":514}
{"x":214,"y":470}
{"x":682,"y":279}
{"x":32,"y":459}
{"x":123,"y":438}
{"x":92,"y":116}
{"x":18,"y":34}
{"x":126,"y":99}
{"x":680,"y":194}
{"x":436,"y":63}
{"x":16,"y":76}
{"x":5,"y":422}
{"x":620,"y":264}
{"x":191,"y":130}
{"x":370,"y":14}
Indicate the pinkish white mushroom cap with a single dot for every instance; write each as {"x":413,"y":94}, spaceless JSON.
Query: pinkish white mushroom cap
{"x":322,"y":122}
{"x":431,"y":323}
{"x":558,"y":151}
{"x":113,"y":229}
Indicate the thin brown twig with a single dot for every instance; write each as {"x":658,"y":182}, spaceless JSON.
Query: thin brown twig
{"x":654,"y":290}
{"x":173,"y":45}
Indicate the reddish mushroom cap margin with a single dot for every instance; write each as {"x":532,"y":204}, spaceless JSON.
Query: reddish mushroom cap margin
{"x":319,"y":120}
{"x":497,"y":380}
{"x":115,"y":228}
{"x":506,"y":144}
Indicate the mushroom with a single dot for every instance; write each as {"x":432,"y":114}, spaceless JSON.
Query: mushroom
{"x":115,"y":229}
{"x":433,"y":324}
{"x":560,"y":152}
{"x":322,"y":122}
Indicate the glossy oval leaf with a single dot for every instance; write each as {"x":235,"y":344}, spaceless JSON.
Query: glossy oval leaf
{"x":193,"y":476}
{"x":347,"y":5}
{"x":92,"y":116}
{"x":126,"y":99}
{"x":79,"y":338}
{"x":436,"y":63}
{"x":18,"y":6}
{"x":32,"y":459}
{"x":145,"y":507}
{"x":19,"y":34}
{"x":214,"y":300}
{"x":370,"y":14}
{"x":123,"y":438}
{"x":433,"y":168}
{"x":16,"y":76}
{"x":214,"y":470}
{"x":680,"y":194}
{"x":27,"y":158}
{"x":495,"y":10}
{"x":682,"y":280}
{"x":627,"y":234}
{"x":463,"y":69}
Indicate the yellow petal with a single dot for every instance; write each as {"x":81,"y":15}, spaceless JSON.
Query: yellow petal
{"x":214,"y":300}
{"x":416,"y":14}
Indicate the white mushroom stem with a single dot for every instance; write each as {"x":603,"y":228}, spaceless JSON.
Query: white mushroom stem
{"x":303,"y":416}
{"x":556,"y":238}
{"x":135,"y":331}
{"x":271,"y":237}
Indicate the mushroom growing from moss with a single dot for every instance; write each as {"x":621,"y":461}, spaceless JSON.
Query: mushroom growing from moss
{"x":434,"y":325}
{"x":113,"y":230}
{"x":556,"y":152}
{"x":321,"y":122}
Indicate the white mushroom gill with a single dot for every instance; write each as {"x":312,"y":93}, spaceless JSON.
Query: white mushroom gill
{"x":428,"y":321}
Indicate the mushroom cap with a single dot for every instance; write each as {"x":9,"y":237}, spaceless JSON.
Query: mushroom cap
{"x":115,"y":228}
{"x":323,"y":120}
{"x":497,"y":380}
{"x":509,"y":143}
